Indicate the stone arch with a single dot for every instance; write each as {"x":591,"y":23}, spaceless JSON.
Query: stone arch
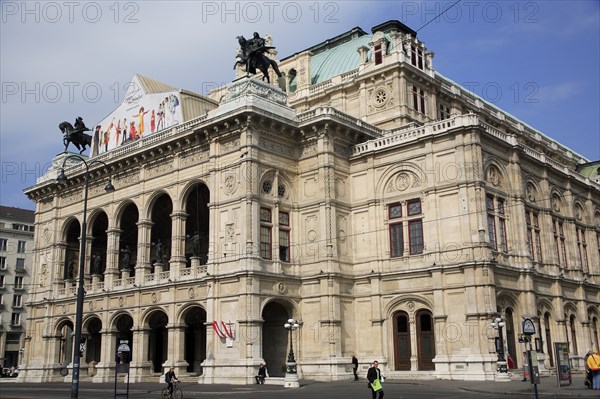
{"x":91,"y":327}
{"x":98,"y":227}
{"x":156,"y":320}
{"x":283,"y":180}
{"x":495,"y":173}
{"x":505,"y":299}
{"x":557,"y":201}
{"x":71,"y":238}
{"x":122,"y":207}
{"x":414,"y":173}
{"x":275,"y":312}
{"x":146,"y":210}
{"x":160,"y":210}
{"x":127,"y":218}
{"x":408,"y":349}
{"x":579,"y":210}
{"x":545,"y":305}
{"x":193,"y":316}
{"x":114,"y":319}
{"x":196,"y":234}
{"x":64,"y":333}
{"x":533,"y":191}
{"x":403,"y":302}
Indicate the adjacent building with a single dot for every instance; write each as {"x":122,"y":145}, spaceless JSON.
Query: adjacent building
{"x":390,"y":211}
{"x":16,"y":260}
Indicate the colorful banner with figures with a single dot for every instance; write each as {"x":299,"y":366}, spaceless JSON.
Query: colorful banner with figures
{"x":149,"y":107}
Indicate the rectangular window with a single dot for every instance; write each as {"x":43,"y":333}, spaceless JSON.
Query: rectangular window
{"x":1,"y":281}
{"x":415,"y":236}
{"x":15,"y":319}
{"x":2,"y":262}
{"x":414,"y":228}
{"x":416,"y":56}
{"x":18,"y":283}
{"x":20,"y":264}
{"x":418,"y":96}
{"x":396,"y":240}
{"x":21,"y":247}
{"x":284,"y":236}
{"x":496,"y":221}
{"x":3,"y":243}
{"x":265,"y":234}
{"x":17,"y":301}
{"x":378,"y":54}
{"x":284,"y":245}
{"x":265,"y":242}
{"x":556,"y":241}
{"x":582,"y":248}
{"x":533,"y":235}
{"x":443,"y":111}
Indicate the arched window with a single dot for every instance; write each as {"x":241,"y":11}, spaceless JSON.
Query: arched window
{"x":573,"y":334}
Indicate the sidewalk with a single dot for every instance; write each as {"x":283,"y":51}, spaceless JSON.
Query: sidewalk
{"x":547,"y":388}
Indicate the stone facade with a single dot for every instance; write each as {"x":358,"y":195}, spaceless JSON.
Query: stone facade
{"x":16,"y":260}
{"x":387,"y":209}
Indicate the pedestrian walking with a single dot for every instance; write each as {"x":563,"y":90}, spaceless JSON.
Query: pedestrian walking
{"x":355,"y":367}
{"x":593,"y":362}
{"x":375,"y":377}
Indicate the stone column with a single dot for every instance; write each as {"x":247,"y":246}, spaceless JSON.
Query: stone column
{"x":87,"y":276}
{"x":177,"y":261}
{"x":139,"y":365}
{"x":176,"y":352}
{"x":143,"y":266}
{"x":105,"y":368}
{"x":112,"y":256}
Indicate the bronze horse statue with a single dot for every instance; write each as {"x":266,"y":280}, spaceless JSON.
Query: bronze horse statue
{"x":76,"y":134}
{"x":253,"y":56}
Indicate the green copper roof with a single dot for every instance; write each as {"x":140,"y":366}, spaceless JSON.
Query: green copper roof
{"x":590,"y":170}
{"x":337,"y":60}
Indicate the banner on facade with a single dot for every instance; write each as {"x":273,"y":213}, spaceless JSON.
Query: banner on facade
{"x":563,"y":365}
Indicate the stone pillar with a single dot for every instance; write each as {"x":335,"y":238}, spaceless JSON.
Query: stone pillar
{"x":105,"y":368}
{"x":177,"y":261}
{"x":87,"y":278}
{"x":176,"y":352}
{"x":139,"y":365}
{"x":143,"y":266}
{"x":112,"y":256}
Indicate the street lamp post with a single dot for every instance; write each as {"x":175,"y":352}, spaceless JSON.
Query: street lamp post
{"x":498,"y":324}
{"x":77,"y":352}
{"x":291,"y":375}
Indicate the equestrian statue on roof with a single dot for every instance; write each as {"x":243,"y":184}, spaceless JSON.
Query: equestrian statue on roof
{"x":75,"y":134}
{"x":252,"y":55}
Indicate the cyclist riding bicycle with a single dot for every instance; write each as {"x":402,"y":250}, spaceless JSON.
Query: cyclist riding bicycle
{"x":170,"y":379}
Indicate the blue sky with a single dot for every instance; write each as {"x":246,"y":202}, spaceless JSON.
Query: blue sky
{"x":537,"y":60}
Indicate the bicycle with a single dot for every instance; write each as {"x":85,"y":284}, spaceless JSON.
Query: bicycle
{"x":177,"y":392}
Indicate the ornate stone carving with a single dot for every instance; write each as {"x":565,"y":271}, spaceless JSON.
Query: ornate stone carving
{"x":192,"y":293}
{"x":193,"y":157}
{"x":230,"y":145}
{"x":555,"y":202}
{"x":230,"y":184}
{"x":159,"y":168}
{"x":154,"y":297}
{"x":530,"y":192}
{"x":130,"y":178}
{"x":280,"y":287}
{"x":578,"y":212}
{"x":380,"y":98}
{"x":493,"y":175}
{"x":275,"y":147}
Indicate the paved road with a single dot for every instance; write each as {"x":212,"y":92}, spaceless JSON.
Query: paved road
{"x":312,"y":390}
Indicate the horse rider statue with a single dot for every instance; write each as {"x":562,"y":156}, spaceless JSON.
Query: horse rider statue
{"x":252,"y":56}
{"x":75,"y":134}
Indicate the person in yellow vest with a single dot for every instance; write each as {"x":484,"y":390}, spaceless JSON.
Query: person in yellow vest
{"x":593,"y":362}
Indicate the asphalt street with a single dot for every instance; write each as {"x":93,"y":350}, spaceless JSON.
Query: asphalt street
{"x":397,"y":389}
